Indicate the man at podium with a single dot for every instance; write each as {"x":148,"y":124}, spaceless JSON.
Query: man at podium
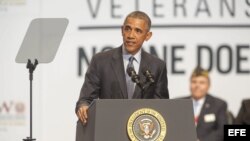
{"x":126,"y":72}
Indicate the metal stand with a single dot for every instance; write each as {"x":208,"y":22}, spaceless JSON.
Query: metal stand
{"x":31,"y":68}
{"x":144,"y":86}
{"x":148,"y":82}
{"x":38,"y":45}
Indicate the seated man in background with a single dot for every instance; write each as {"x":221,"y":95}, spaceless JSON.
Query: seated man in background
{"x":243,"y":116}
{"x":210,"y":113}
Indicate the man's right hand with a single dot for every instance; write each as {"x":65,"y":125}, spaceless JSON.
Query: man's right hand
{"x":82,"y":114}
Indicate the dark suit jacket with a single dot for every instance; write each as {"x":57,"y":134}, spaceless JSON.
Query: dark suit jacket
{"x":105,"y":79}
{"x":243,"y":116}
{"x":210,"y":126}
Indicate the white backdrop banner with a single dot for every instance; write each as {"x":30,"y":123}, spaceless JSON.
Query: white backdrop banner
{"x":186,"y":33}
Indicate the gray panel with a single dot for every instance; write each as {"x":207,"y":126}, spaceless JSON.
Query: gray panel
{"x":86,"y":132}
{"x":112,"y":116}
{"x":42,"y":40}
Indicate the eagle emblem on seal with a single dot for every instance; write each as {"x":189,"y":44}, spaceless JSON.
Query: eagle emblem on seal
{"x":147,"y":128}
{"x":146,"y":124}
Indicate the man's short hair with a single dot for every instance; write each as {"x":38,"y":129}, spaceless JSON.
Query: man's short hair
{"x":198,"y":71}
{"x":140,"y":15}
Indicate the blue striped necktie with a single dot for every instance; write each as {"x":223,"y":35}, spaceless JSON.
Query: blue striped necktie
{"x":130,"y":83}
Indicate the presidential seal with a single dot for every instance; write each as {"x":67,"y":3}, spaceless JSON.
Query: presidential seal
{"x":146,"y":125}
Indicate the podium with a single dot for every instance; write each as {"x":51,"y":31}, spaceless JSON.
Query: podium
{"x":113,"y":120}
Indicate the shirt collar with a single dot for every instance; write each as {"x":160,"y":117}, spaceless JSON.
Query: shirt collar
{"x":126,"y":55}
{"x":199,"y":101}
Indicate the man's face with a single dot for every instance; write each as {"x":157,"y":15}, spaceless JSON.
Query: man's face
{"x":135,"y":32}
{"x":199,"y":86}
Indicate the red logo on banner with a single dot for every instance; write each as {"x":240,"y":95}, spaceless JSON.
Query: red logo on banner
{"x":12,"y":107}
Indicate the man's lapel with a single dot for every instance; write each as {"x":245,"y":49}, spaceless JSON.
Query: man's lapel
{"x":204,"y":110}
{"x":118,"y":66}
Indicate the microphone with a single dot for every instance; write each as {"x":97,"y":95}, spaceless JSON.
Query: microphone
{"x":135,"y":78}
{"x":149,"y":76}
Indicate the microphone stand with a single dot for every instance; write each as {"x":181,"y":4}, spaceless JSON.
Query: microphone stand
{"x":142,"y":85}
{"x":145,"y":86}
{"x":136,"y":79}
{"x":148,"y":82}
{"x":142,"y":92}
{"x":31,"y":68}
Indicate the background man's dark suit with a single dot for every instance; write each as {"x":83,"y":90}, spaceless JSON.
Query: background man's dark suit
{"x":209,"y":129}
{"x":244,"y":113}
